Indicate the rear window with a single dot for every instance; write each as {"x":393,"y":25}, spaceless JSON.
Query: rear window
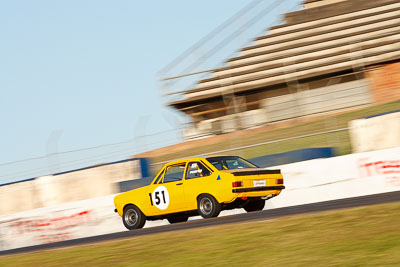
{"x":230,"y":163}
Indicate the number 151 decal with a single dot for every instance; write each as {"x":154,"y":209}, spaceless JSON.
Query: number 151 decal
{"x":160,"y":198}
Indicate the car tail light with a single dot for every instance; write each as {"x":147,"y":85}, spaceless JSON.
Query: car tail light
{"x":279,"y":181}
{"x":237,"y":184}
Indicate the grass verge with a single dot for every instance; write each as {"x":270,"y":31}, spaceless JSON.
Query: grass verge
{"x":366,"y":236}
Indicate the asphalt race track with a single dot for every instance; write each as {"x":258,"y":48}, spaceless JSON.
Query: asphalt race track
{"x":255,"y":216}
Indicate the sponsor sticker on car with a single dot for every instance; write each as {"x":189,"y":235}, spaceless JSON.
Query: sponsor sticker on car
{"x":258,"y":183}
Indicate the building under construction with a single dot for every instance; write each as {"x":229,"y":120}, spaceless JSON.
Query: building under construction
{"x":330,"y":56}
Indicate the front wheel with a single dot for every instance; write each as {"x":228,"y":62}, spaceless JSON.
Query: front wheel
{"x":133,"y":217}
{"x":255,"y":205}
{"x":208,"y":206}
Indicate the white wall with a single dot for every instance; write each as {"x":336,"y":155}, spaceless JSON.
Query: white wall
{"x":375,"y":133}
{"x":68,"y":187}
{"x":339,"y":177}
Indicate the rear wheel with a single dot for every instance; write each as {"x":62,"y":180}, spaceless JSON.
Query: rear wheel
{"x":255,"y":205}
{"x":133,"y":217}
{"x":208,"y":206}
{"x":178,"y":219}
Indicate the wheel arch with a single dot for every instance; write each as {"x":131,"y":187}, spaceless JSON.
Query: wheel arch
{"x":128,"y":204}
{"x":120,"y":209}
{"x":132,"y":204}
{"x":210,"y":194}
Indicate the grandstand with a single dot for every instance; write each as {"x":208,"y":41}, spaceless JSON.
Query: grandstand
{"x":331,"y":56}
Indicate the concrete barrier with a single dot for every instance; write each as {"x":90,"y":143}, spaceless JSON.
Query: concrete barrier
{"x":61,"y":222}
{"x":70,"y":186}
{"x":376,"y":132}
{"x":306,"y":182}
{"x":339,"y":177}
{"x":17,"y":197}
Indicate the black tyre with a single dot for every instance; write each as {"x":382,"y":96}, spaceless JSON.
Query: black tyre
{"x":178,"y":219}
{"x":255,"y":205}
{"x":208,"y":206}
{"x":133,"y":217}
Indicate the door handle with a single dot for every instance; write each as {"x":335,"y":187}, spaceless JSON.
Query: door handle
{"x":180,"y":184}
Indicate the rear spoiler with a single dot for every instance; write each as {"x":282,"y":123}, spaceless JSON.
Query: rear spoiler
{"x":255,"y":172}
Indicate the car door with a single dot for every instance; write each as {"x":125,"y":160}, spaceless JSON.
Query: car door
{"x":167,"y":194}
{"x":198,"y":180}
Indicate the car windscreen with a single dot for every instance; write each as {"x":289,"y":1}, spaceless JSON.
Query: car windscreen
{"x":230,"y":163}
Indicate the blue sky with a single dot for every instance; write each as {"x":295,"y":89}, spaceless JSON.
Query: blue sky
{"x":87,"y":69}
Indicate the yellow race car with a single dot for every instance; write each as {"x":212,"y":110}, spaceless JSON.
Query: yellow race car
{"x":199,"y":186}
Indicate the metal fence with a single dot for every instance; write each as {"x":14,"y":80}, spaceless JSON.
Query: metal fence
{"x":337,"y":138}
{"x":237,"y":143}
{"x":54,"y":162}
{"x":295,"y":134}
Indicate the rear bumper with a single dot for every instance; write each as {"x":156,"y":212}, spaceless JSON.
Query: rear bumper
{"x":258,"y":189}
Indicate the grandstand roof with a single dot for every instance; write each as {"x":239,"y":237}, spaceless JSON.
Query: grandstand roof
{"x":322,"y":40}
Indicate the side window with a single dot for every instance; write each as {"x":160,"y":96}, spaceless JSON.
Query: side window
{"x":196,"y":170}
{"x":174,"y":173}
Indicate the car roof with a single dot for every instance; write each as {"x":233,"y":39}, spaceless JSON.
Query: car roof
{"x":185,"y":159}
{"x":197,"y":158}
